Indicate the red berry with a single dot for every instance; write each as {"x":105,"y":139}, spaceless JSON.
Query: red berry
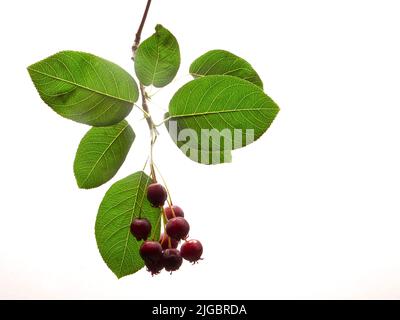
{"x":156,"y":194}
{"x":154,"y":267}
{"x":177,"y":228}
{"x":164,"y":241}
{"x":151,"y":251}
{"x":191,"y":250}
{"x":141,"y":228}
{"x":172,"y":259}
{"x":170,"y":211}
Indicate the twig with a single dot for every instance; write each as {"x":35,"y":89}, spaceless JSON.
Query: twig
{"x":135,"y":46}
{"x":145,"y":107}
{"x":139,"y":31}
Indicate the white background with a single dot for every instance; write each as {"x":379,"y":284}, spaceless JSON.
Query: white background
{"x":311,"y":210}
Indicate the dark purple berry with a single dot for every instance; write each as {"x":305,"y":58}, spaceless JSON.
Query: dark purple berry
{"x":191,"y":250}
{"x":177,"y":228}
{"x":172,"y":259}
{"x":173,"y":212}
{"x":154,"y":267}
{"x":164,"y":241}
{"x":141,"y":229}
{"x":156,"y":194}
{"x":151,"y":251}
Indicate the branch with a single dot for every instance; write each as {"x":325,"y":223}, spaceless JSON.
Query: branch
{"x":139,"y":31}
{"x":134,"y":48}
{"x":145,"y":107}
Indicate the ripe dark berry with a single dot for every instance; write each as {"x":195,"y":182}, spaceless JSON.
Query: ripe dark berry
{"x":191,"y":250}
{"x":151,"y":251}
{"x":141,"y":229}
{"x":156,"y":194}
{"x":170,"y":211}
{"x":154,"y":267}
{"x":164,"y":241}
{"x":177,"y":228}
{"x":172,"y":259}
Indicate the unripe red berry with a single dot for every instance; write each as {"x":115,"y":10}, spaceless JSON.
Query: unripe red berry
{"x":156,"y":194}
{"x":172,"y":259}
{"x":177,"y":228}
{"x":151,"y":251}
{"x":173,"y":212}
{"x":191,"y":250}
{"x":164,"y":241}
{"x":141,"y":228}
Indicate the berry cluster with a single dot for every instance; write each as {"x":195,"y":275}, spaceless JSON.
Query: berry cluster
{"x":163,"y":254}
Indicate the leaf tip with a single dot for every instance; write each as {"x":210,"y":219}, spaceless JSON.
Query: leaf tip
{"x":81,"y":184}
{"x":30,"y":69}
{"x":83,"y":187}
{"x":119,"y":276}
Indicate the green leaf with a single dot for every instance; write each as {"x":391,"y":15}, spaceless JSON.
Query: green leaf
{"x":101,"y":153}
{"x":221,"y":62}
{"x":123,"y":202}
{"x":85,"y":88}
{"x":158,"y":58}
{"x":218,"y":114}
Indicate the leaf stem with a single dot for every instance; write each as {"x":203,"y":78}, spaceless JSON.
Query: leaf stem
{"x":146,"y":115}
{"x":162,"y":122}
